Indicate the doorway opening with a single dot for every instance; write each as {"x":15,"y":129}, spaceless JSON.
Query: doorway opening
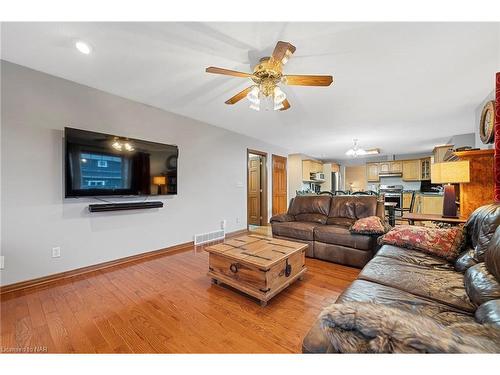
{"x":256,"y":190}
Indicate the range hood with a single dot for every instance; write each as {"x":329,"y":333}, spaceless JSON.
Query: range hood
{"x":390,"y":174}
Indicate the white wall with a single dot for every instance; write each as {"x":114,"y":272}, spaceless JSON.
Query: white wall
{"x":35,"y":216}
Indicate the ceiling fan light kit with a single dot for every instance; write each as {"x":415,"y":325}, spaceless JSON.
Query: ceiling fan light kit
{"x":266,"y":76}
{"x":356,"y":151}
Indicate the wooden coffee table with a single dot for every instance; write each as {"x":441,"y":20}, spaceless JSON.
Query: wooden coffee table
{"x":257,"y":265}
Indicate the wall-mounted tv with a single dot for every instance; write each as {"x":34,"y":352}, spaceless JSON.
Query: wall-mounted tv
{"x":99,"y":164}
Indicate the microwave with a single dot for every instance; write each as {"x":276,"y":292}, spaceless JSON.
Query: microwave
{"x":320,"y":176}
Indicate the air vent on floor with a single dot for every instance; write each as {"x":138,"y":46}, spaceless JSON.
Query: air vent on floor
{"x":216,"y":235}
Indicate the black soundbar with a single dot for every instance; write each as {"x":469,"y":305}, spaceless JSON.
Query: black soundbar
{"x":124,"y":206}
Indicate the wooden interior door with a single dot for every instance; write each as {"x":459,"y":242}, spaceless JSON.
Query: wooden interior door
{"x":254,"y":190}
{"x":279,"y":185}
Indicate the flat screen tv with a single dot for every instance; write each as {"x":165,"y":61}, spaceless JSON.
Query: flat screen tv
{"x":99,"y":164}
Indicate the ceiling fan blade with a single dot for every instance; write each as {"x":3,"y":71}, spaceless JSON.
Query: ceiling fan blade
{"x":286,"y":105}
{"x":239,"y":96}
{"x":301,"y":80}
{"x":227,"y":72}
{"x":283,"y":51}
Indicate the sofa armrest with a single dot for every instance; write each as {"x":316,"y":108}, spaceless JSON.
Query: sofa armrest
{"x":281,"y":218}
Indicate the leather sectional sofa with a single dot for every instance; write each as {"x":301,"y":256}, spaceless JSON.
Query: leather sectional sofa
{"x":451,"y":294}
{"x":323,"y":223}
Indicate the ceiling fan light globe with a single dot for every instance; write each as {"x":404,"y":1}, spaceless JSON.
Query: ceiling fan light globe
{"x":278,"y":106}
{"x":279,"y":95}
{"x":253,"y":95}
{"x":255,"y":106}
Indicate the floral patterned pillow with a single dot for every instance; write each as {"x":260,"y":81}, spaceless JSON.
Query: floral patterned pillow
{"x":369,"y":225}
{"x":444,"y":243}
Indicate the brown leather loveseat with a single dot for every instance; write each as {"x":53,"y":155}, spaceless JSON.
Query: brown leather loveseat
{"x":323,"y":223}
{"x":465,"y":293}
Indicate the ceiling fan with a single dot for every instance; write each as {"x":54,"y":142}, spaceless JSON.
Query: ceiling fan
{"x":267,"y":75}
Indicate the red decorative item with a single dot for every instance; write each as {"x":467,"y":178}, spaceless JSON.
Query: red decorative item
{"x":497,"y":139}
{"x":444,"y":243}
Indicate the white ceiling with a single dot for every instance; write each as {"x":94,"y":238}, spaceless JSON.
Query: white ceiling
{"x":402,"y":87}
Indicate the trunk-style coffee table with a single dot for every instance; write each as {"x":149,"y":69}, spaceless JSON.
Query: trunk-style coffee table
{"x":257,"y":265}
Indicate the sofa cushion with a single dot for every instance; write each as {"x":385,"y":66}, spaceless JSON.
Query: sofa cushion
{"x":311,"y":218}
{"x":481,"y":285}
{"x":295,"y":229}
{"x":445,"y":243}
{"x":441,"y":285}
{"x":342,"y":254}
{"x":369,"y":225}
{"x":365,"y":206}
{"x":414,"y":257}
{"x":319,"y":204}
{"x":492,"y":258}
{"x":489,"y":313}
{"x":339,"y":235}
{"x":481,"y":226}
{"x":281,"y":218}
{"x":342,"y":206}
{"x":366,"y":291}
{"x":341,"y":221}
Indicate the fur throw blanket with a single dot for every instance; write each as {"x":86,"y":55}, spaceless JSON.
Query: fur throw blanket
{"x":360,"y":327}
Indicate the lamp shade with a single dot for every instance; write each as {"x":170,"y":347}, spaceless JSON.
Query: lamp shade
{"x":453,"y":172}
{"x":159,"y":180}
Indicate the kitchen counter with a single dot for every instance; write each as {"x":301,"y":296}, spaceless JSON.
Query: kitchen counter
{"x":418,"y":192}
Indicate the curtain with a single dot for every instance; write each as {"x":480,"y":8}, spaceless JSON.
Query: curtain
{"x":497,"y":139}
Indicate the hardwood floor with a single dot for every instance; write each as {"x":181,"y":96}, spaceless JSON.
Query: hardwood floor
{"x":166,"y":304}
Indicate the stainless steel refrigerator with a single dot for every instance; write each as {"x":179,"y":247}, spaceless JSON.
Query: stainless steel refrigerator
{"x":335,"y":181}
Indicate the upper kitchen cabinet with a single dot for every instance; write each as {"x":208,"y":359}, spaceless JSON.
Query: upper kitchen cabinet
{"x":440,"y":151}
{"x":396,"y":166}
{"x":372,"y":171}
{"x":310,"y":166}
{"x":425,"y":169}
{"x":411,"y":170}
{"x":384,"y":167}
{"x":389,"y":167}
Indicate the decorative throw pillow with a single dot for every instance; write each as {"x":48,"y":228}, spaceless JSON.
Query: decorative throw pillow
{"x":444,"y":243}
{"x":369,"y":225}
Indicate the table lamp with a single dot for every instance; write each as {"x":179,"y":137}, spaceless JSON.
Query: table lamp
{"x":448,"y":173}
{"x":160,"y":181}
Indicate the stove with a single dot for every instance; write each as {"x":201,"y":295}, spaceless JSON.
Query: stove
{"x":392,"y":193}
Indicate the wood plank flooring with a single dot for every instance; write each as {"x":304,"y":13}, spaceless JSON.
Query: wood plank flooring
{"x":166,"y":304}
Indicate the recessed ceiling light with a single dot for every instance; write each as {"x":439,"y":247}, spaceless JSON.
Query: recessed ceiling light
{"x":83,"y":47}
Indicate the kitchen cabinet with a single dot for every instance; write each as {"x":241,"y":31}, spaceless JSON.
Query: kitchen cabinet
{"x":384,"y":167}
{"x":390,"y":167}
{"x":425,"y":169}
{"x":411,"y":170}
{"x":429,"y":204}
{"x":372,"y":170}
{"x":396,"y":166}
{"x":310,"y":166}
{"x":407,"y":200}
{"x":440,"y":151}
